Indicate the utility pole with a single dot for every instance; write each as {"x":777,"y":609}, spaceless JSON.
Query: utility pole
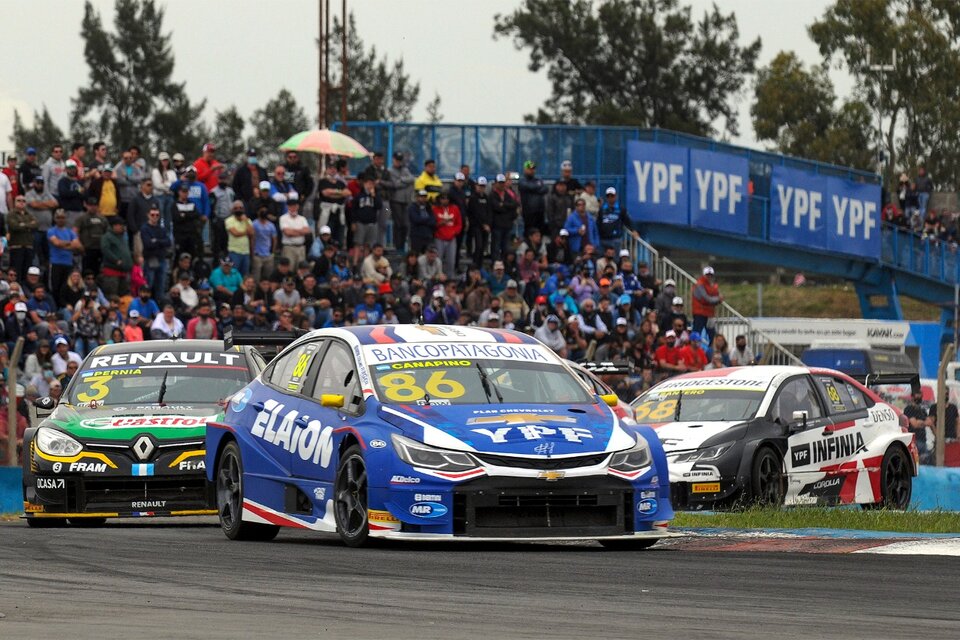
{"x":881,"y":70}
{"x":344,"y":84}
{"x":321,"y":69}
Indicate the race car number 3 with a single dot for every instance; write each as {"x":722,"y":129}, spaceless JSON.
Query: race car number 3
{"x":98,"y":385}
{"x":402,"y":387}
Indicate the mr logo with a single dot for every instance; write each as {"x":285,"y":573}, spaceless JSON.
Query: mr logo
{"x":655,"y":178}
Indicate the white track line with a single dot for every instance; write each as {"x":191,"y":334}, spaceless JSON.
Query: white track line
{"x":929,"y":547}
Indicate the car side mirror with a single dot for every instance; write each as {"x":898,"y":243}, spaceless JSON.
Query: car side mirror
{"x":799,"y":421}
{"x":610,"y":399}
{"x":44,"y":406}
{"x":332,"y":400}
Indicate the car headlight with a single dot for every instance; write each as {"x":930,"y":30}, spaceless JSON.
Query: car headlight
{"x":636,"y":457}
{"x":417,"y":454}
{"x":708,"y":453}
{"x":56,"y":443}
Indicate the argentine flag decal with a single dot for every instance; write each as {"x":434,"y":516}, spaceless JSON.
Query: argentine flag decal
{"x":142,"y":469}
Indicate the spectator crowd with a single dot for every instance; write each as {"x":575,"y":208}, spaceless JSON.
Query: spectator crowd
{"x":99,"y":248}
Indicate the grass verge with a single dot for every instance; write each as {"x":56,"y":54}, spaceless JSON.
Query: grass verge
{"x":825,"y":518}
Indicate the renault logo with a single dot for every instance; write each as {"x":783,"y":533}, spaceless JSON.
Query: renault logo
{"x":143,"y":447}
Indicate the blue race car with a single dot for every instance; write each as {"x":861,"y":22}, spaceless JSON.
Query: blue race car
{"x":428,"y":432}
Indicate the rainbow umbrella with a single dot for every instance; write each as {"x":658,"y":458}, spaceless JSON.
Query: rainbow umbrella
{"x":324,"y":141}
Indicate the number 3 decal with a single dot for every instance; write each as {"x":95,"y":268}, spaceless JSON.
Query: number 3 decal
{"x":99,"y":385}
{"x":402,"y":387}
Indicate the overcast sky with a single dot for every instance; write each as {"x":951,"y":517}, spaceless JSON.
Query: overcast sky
{"x":243,"y":52}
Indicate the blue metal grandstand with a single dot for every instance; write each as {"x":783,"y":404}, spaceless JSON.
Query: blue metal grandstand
{"x":908,"y":264}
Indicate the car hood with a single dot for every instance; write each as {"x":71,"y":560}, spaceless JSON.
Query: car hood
{"x":681,"y":436}
{"x":512,"y":429}
{"x":123,"y":423}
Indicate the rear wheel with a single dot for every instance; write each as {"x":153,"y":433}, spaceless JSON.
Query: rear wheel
{"x":896,"y":480}
{"x":350,"y":505}
{"x":766,"y":478}
{"x":230,"y":500}
{"x":629,"y":545}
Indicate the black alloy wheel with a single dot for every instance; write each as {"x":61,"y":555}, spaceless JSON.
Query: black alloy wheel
{"x":350,"y":498}
{"x":230,"y":500}
{"x":767,"y":478}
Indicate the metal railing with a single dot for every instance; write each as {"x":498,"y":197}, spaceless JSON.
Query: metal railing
{"x":923,"y":255}
{"x":729,"y":321}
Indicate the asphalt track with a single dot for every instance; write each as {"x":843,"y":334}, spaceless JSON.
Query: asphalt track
{"x":173,"y":579}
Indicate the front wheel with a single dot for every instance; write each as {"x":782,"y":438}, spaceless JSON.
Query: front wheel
{"x":350,"y":505}
{"x":896,"y":481}
{"x":767,"y":479}
{"x":230,"y":500}
{"x":45,"y":523}
{"x":629,"y":545}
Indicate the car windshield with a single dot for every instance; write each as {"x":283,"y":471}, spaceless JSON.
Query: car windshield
{"x":476,"y":381}
{"x":708,"y":404}
{"x":182,"y":384}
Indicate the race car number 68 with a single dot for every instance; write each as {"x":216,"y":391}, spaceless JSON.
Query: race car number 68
{"x":656,"y":410}
{"x":98,"y":384}
{"x":402,"y":387}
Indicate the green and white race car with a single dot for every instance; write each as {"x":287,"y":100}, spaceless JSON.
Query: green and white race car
{"x":127,"y":437}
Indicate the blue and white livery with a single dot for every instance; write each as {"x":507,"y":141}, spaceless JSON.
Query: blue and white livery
{"x":433,"y":432}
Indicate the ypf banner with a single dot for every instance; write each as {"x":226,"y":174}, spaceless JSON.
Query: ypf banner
{"x":676,"y":185}
{"x":824,"y":212}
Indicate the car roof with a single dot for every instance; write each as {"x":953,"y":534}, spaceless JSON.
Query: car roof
{"x":159,"y":345}
{"x":382,"y":334}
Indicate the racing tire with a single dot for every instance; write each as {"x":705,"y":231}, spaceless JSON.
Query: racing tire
{"x":87,"y":523}
{"x":46,"y":523}
{"x":629,"y":545}
{"x":229,"y":485}
{"x":767,"y":481}
{"x":896,"y":481}
{"x":350,"y":498}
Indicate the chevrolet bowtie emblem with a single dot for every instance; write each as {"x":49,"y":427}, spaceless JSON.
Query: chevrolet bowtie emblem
{"x":551,"y":475}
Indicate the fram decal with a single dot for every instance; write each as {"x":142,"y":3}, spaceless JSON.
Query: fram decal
{"x":294,"y":433}
{"x":827,"y":449}
{"x":89,"y":467}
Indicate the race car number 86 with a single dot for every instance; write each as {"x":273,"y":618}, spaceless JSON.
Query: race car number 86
{"x":655,"y":410}
{"x":402,"y":387}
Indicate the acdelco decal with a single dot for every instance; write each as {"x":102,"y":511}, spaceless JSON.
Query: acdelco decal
{"x":310,"y":441}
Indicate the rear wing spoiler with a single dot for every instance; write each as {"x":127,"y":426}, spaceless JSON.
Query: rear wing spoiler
{"x":607,"y":368}
{"x":277,"y":339}
{"x":873,"y":379}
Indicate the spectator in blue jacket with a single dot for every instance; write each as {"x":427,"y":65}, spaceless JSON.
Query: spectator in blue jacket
{"x":144,"y":304}
{"x":582,"y":227}
{"x":196,"y":191}
{"x":422,"y":222}
{"x":156,"y":242}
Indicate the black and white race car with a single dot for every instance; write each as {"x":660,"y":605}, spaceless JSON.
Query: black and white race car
{"x":779,"y":435}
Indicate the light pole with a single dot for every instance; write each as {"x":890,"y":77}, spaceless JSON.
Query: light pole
{"x":881,"y":70}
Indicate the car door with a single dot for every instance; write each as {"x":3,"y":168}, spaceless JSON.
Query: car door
{"x":276,"y":406}
{"x":335,"y":374}
{"x":798,"y":394}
